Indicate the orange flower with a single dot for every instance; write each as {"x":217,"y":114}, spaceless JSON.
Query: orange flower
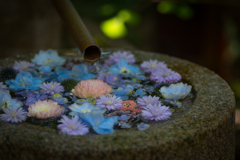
{"x":91,"y":88}
{"x":44,"y":109}
{"x":131,"y":106}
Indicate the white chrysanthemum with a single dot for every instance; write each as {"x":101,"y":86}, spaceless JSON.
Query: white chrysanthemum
{"x":44,"y":109}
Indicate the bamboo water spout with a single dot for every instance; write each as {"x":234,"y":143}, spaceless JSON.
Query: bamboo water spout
{"x":77,"y":29}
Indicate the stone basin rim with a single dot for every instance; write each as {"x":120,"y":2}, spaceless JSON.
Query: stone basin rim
{"x":182,"y":128}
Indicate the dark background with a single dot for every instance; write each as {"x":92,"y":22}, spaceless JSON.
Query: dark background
{"x":203,"y":31}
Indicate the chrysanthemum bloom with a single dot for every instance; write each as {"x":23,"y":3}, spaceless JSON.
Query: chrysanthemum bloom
{"x":72,"y":126}
{"x":15,"y":115}
{"x":144,"y":101}
{"x":23,"y":66}
{"x":176,"y":91}
{"x":156,"y":112}
{"x":91,"y":88}
{"x":116,"y":56}
{"x":51,"y":88}
{"x":109,"y":102}
{"x":152,"y":65}
{"x":165,"y":76}
{"x":44,"y":109}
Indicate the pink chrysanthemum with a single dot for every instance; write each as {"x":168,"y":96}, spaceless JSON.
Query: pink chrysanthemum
{"x":15,"y":115}
{"x":146,"y":100}
{"x":165,"y":76}
{"x":51,"y":88}
{"x":152,"y":65}
{"x":109,"y":102}
{"x":23,"y":66}
{"x":91,"y":88}
{"x":156,"y":112}
{"x":72,"y":126}
{"x":44,"y":109}
{"x":116,"y":56}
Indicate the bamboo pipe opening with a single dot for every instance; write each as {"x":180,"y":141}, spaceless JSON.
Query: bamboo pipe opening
{"x":78,"y":30}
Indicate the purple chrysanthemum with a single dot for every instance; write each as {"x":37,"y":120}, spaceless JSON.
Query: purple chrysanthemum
{"x":146,"y":100}
{"x":108,"y":78}
{"x":156,"y":112}
{"x":3,"y":87}
{"x":72,"y":126}
{"x":23,"y":66}
{"x":15,"y":115}
{"x":152,"y":65}
{"x":116,"y":56}
{"x":51,"y":88}
{"x":110,"y":102}
{"x":165,"y":76}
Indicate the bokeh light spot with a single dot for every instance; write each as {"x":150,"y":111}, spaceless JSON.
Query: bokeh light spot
{"x":166,"y":7}
{"x":114,"y":28}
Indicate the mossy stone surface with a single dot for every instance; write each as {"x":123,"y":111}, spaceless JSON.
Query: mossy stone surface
{"x":204,"y":131}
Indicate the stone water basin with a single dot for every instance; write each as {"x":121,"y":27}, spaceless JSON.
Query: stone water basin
{"x":202,"y":129}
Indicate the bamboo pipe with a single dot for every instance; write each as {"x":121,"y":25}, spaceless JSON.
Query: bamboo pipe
{"x":77,"y":29}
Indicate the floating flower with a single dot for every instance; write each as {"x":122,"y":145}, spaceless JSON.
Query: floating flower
{"x":23,"y":66}
{"x":85,"y":107}
{"x":109,"y":102}
{"x":130,"y":106}
{"x":48,"y":58}
{"x":108,"y":78}
{"x":123,"y":68}
{"x":3,"y":87}
{"x":72,"y":126}
{"x":91,"y":88}
{"x":59,"y":98}
{"x":144,"y":101}
{"x":6,"y":100}
{"x":44,"y":109}
{"x":140,"y":92}
{"x":32,"y":96}
{"x":45,"y":69}
{"x":123,"y":92}
{"x":142,"y":126}
{"x":176,"y":91}
{"x":124,"y":118}
{"x":15,"y":115}
{"x":78,"y":72}
{"x":24,"y":80}
{"x":93,"y":116}
{"x":152,"y":65}
{"x":51,"y":88}
{"x":69,"y":84}
{"x":165,"y":76}
{"x":156,"y":112}
{"x":116,"y":56}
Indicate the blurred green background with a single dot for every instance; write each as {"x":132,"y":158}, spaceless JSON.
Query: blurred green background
{"x":205,"y":32}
